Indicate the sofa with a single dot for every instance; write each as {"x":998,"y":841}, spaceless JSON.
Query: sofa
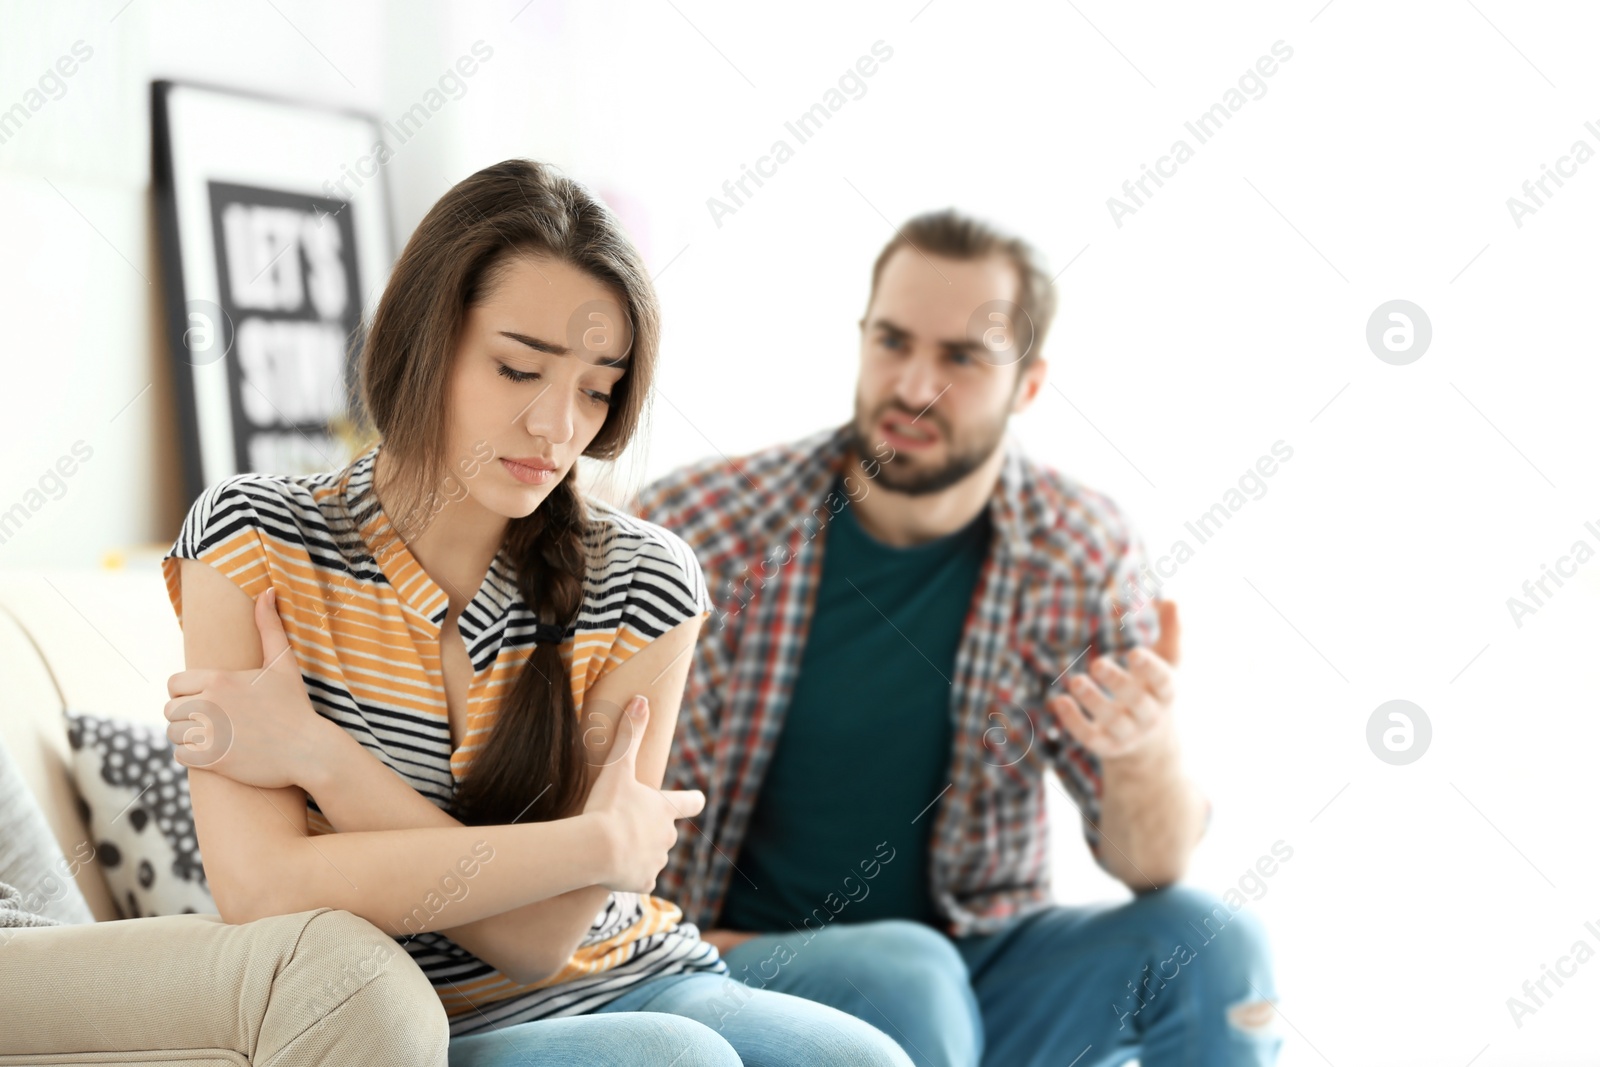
{"x":290,"y":991}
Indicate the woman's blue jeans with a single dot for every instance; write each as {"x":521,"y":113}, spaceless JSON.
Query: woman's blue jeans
{"x":687,"y":1020}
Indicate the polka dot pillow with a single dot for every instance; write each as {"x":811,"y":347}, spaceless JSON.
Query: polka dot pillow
{"x":133,"y":795}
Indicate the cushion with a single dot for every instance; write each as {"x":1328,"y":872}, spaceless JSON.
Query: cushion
{"x":31,"y":859}
{"x":137,"y":798}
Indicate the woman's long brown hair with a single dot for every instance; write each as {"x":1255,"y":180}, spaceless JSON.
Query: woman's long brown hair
{"x":531,"y":768}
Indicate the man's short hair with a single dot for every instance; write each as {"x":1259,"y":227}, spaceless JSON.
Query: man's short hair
{"x":953,"y":235}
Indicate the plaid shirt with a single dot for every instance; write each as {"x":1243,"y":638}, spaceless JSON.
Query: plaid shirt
{"x":1044,"y":598}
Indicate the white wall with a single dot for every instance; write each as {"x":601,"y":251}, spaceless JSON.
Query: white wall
{"x":1226,"y":314}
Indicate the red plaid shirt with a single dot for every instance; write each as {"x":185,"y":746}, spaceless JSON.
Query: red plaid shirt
{"x":1047,"y":598}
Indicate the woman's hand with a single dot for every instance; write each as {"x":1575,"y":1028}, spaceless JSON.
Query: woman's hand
{"x":640,"y":822}
{"x":258,"y":726}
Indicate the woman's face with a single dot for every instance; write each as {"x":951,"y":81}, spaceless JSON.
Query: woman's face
{"x":533,"y":373}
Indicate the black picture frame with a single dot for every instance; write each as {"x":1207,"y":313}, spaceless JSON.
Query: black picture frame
{"x":273,"y":250}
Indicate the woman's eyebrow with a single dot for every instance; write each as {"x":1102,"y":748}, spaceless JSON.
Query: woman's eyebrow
{"x":536,"y":344}
{"x":554,"y":349}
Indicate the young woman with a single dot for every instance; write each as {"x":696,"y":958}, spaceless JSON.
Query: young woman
{"x":438,"y":688}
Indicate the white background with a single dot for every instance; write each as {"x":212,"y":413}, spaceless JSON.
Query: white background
{"x":1226,"y":314}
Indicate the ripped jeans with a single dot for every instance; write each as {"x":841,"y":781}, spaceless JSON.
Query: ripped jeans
{"x":1174,"y":977}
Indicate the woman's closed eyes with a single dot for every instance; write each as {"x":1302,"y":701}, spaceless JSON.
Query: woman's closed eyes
{"x":511,"y":374}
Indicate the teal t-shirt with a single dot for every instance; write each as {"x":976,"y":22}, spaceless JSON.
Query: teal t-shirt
{"x":840,"y":830}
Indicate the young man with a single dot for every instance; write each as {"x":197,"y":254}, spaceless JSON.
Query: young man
{"x":917,"y":632}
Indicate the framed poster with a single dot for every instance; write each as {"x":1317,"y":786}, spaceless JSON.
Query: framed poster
{"x":273,"y":251}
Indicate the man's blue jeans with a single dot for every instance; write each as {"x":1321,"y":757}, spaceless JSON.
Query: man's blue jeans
{"x":1173,"y":977}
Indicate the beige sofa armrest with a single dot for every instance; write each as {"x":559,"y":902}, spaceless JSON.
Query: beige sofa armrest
{"x":312,"y":989}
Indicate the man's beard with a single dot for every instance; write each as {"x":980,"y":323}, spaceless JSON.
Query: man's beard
{"x":901,"y":476}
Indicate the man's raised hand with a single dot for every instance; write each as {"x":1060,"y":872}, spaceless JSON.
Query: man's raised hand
{"x":1129,"y":711}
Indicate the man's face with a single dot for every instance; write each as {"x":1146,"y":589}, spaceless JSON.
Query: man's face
{"x":937,"y":383}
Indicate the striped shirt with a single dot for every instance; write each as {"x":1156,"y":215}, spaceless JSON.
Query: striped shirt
{"x":1047,"y":600}
{"x":364,"y":620}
